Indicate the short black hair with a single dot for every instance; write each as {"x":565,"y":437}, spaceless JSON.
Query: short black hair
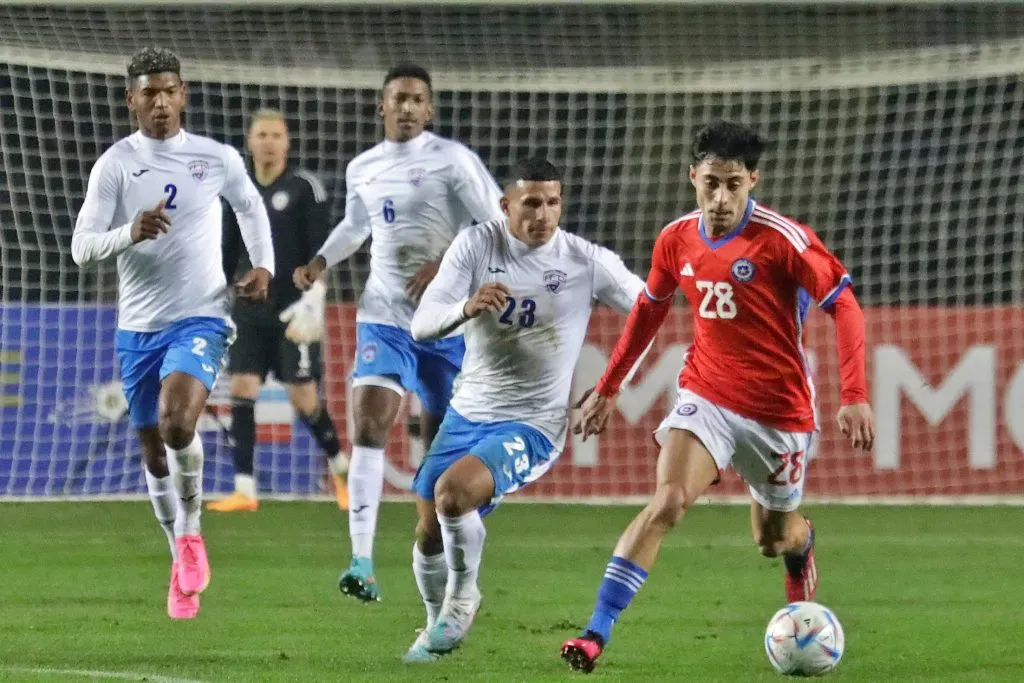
{"x":730,"y":142}
{"x":534,"y":168}
{"x":408,"y":71}
{"x":153,"y":60}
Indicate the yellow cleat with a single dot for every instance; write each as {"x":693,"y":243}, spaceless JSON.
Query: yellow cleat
{"x":236,"y":502}
{"x":340,"y":490}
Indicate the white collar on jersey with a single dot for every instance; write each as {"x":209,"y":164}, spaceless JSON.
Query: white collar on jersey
{"x":409,"y":146}
{"x":152,"y":143}
{"x":518,"y":248}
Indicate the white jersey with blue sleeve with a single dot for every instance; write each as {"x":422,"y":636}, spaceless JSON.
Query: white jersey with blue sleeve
{"x":179,"y":274}
{"x":411,"y":198}
{"x":520,"y":361}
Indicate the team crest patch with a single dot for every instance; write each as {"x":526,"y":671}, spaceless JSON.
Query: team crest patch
{"x":553,"y":280}
{"x":199,"y":169}
{"x":280,"y":200}
{"x":687,"y":409}
{"x":368,"y":353}
{"x":416,"y":176}
{"x":742,"y":270}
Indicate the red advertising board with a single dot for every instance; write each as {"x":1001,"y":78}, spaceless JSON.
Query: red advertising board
{"x":947,"y":385}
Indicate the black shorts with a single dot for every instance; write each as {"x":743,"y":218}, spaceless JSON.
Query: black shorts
{"x":261,"y":347}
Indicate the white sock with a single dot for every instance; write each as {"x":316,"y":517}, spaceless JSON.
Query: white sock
{"x":187,"y":473}
{"x":245,"y":485}
{"x":463,"y":547}
{"x":431,"y":573}
{"x":164,"y":500}
{"x":365,"y":484}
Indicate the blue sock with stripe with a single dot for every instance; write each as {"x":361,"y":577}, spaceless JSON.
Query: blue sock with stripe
{"x":622,"y":579}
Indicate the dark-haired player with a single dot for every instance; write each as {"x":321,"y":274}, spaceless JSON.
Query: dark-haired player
{"x":745,"y":392}
{"x":411,"y":193}
{"x":153,"y":201}
{"x":523,"y":290}
{"x":282,"y":334}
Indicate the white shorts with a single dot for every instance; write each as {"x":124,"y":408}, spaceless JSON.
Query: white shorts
{"x":772,"y":462}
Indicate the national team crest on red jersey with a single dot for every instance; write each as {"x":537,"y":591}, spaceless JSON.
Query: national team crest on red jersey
{"x":199,"y":169}
{"x":742,"y":270}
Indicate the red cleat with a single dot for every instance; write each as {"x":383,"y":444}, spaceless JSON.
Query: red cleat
{"x":581,"y":653}
{"x":801,"y":574}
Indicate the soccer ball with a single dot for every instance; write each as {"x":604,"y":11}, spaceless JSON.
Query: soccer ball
{"x":804,"y":639}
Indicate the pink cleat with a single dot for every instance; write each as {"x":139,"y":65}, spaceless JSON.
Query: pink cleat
{"x":179,"y":605}
{"x":193,"y":565}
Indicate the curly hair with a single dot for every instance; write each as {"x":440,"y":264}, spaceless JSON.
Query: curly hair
{"x":152,"y":60}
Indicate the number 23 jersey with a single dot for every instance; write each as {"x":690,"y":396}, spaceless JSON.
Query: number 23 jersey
{"x":749,"y":291}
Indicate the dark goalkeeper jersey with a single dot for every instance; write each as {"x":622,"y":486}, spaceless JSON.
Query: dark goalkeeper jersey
{"x":297,"y":205}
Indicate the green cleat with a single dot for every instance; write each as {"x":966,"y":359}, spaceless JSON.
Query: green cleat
{"x":359,"y":582}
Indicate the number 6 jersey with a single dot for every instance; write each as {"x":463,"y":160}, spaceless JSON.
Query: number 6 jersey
{"x":410,"y":198}
{"x":749,"y":291}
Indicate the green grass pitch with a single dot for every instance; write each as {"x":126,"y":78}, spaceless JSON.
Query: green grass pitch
{"x":925,"y":594}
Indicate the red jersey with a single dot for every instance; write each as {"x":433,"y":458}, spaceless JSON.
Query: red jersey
{"x":745,"y":292}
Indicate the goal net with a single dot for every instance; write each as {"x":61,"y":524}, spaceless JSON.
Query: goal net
{"x":896,"y":134}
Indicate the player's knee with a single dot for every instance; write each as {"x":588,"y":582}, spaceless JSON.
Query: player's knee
{"x":176,"y":429}
{"x":370,"y":430}
{"x":669,"y":505}
{"x":451,"y":499}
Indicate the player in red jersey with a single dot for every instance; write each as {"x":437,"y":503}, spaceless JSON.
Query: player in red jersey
{"x":745,"y":391}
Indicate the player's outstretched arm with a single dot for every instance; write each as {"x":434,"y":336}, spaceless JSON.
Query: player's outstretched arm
{"x":446,"y":302}
{"x":646,"y":316}
{"x":342,"y":242}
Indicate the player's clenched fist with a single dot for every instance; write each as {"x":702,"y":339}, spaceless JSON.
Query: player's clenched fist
{"x":490,"y":297}
{"x":149,"y":224}
{"x":305,"y":276}
{"x":254,"y":285}
{"x":596,"y":411}
{"x":857,"y":422}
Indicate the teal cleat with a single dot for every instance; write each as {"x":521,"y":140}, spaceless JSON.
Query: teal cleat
{"x":359,"y":582}
{"x":450,"y":629}
{"x":418,"y":652}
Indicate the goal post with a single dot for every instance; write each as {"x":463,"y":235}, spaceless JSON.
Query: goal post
{"x":895,"y":132}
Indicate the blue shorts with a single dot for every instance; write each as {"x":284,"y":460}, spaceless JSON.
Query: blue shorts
{"x":195,"y":346}
{"x":427,"y":369}
{"x":515,"y":453}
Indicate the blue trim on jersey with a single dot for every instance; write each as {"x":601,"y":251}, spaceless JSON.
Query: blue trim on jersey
{"x":196,"y":346}
{"x":803,"y":304}
{"x":827,"y":303}
{"x":716,"y":243}
{"x":427,"y":369}
{"x":515,"y":453}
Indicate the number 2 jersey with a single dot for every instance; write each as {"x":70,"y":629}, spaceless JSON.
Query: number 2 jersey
{"x":748,"y":294}
{"x":519,"y":361}
{"x":410,"y":198}
{"x":180,"y":274}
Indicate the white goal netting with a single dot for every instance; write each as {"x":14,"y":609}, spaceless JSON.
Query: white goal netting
{"x":896,"y":134}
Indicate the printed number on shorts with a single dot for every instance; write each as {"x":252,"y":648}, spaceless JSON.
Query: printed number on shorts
{"x":717,"y":301}
{"x":790,"y":470}
{"x":521,"y":461}
{"x":198,"y":345}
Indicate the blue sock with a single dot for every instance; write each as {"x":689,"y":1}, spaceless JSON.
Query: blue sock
{"x":622,"y":579}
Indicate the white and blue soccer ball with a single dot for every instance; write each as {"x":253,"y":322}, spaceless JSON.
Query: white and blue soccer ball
{"x":804,"y":639}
